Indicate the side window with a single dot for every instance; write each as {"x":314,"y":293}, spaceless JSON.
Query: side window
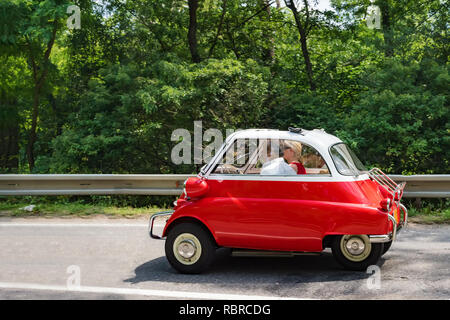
{"x":270,"y":157}
{"x":313,"y":161}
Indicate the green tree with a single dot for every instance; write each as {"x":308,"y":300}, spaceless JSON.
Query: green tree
{"x":400,"y":123}
{"x":32,"y":29}
{"x":127,"y":116}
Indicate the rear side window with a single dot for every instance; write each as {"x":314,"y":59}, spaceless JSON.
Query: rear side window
{"x":345,"y":160}
{"x":313,"y":161}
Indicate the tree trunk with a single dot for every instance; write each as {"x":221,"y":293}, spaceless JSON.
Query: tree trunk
{"x":269,"y":54}
{"x":219,"y":28}
{"x":303,"y":41}
{"x":192,"y":33}
{"x":9,"y":138}
{"x":32,"y":134}
{"x":39,"y":80}
{"x":386,"y":26}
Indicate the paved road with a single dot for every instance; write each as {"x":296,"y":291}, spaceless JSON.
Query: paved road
{"x":115,"y":259}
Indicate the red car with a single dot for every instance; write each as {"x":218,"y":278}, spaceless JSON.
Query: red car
{"x":283,"y":192}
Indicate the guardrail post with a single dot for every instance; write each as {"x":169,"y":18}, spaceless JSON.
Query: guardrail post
{"x":418,"y":203}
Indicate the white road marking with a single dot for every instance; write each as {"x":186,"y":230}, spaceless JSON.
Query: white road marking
{"x":13,"y":224}
{"x":140,"y":292}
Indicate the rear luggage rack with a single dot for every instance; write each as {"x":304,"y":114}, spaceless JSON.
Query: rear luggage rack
{"x":394,"y":189}
{"x":387,"y":183}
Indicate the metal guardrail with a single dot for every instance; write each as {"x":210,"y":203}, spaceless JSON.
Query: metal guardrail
{"x":417,"y":186}
{"x":425,"y":186}
{"x":91,"y":184}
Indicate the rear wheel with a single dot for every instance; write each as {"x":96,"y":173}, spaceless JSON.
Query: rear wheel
{"x":189,"y":248}
{"x":386,"y":247}
{"x":356,"y":252}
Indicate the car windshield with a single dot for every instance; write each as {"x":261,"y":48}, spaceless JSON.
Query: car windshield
{"x":346,"y":162}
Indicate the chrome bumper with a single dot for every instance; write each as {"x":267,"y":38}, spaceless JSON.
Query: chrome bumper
{"x":151,"y":223}
{"x":382,"y":238}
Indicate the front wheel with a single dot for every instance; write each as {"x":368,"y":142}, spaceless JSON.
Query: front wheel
{"x":189,"y":248}
{"x":356,"y":252}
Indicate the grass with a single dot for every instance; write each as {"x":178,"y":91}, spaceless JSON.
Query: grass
{"x":73,"y":209}
{"x":429,"y":216}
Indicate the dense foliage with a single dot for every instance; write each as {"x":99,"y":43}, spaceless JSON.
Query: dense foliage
{"x":105,"y":98}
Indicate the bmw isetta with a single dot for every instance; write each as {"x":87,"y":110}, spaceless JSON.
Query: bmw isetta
{"x":283,"y":192}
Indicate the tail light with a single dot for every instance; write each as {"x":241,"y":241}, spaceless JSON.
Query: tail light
{"x":397,"y":215}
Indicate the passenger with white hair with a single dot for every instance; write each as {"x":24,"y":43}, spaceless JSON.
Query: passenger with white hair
{"x":291,"y":151}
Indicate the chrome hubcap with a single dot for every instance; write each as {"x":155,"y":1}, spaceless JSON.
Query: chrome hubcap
{"x":187,"y":248}
{"x":356,"y":248}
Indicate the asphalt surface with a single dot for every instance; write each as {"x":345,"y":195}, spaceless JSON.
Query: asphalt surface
{"x":115,"y":259}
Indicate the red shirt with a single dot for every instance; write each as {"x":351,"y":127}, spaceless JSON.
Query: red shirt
{"x":300,"y":168}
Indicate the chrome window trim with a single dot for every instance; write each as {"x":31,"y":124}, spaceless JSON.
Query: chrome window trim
{"x":289,"y":178}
